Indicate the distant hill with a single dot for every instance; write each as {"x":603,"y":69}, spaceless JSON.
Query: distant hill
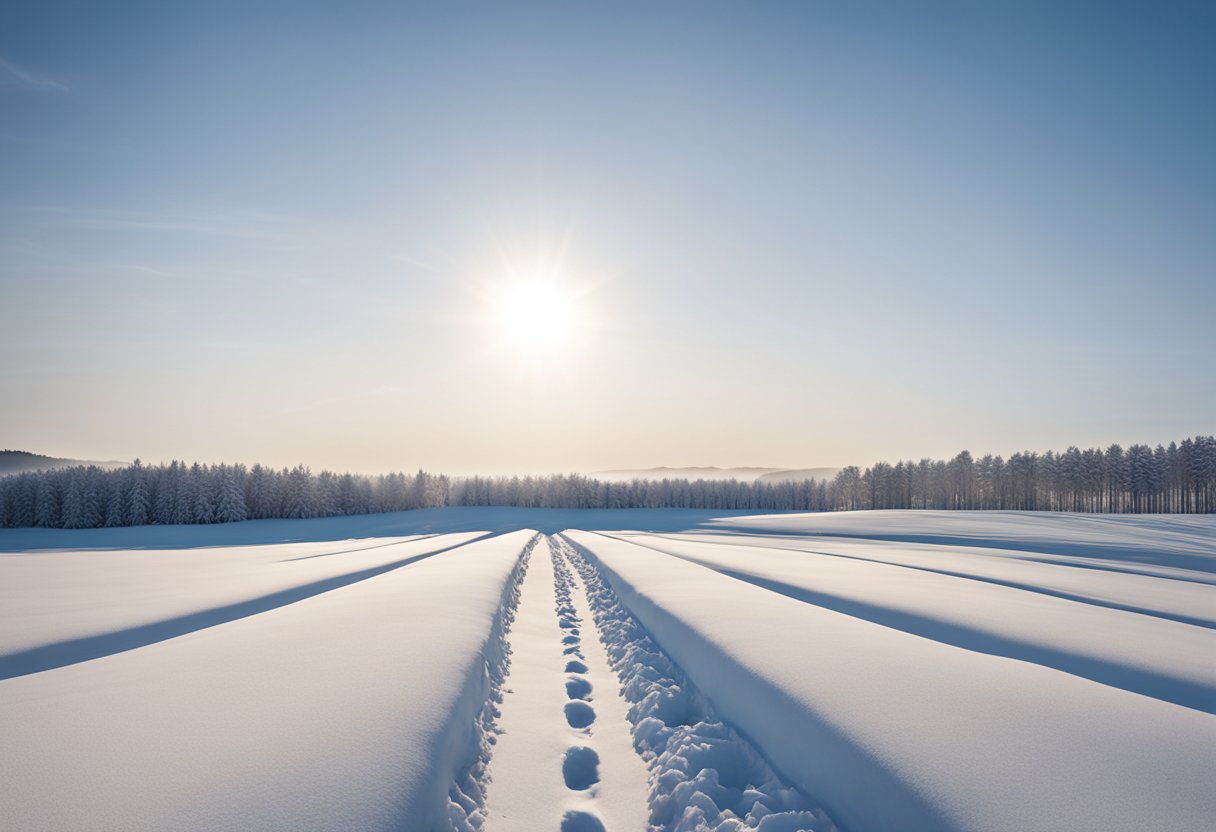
{"x":715,"y":473}
{"x":18,"y":462}
{"x":799,"y":474}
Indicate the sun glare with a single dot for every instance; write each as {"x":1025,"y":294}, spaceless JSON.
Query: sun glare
{"x":535,"y":316}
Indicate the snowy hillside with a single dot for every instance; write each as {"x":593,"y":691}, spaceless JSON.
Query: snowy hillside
{"x":513,"y":669}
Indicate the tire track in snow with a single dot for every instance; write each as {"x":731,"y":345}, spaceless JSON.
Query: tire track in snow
{"x":704,"y":776}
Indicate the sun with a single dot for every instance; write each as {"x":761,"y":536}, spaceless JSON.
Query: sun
{"x":536,"y":316}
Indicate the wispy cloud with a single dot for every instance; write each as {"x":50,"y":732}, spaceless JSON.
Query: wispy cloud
{"x":187,"y":226}
{"x":12,"y":75}
{"x":222,"y":223}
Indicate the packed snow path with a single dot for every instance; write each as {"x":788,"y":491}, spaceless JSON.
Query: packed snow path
{"x":600,"y":731}
{"x":704,"y":776}
{"x":563,"y":758}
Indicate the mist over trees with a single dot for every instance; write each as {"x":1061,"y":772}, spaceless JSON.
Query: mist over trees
{"x":1180,"y":478}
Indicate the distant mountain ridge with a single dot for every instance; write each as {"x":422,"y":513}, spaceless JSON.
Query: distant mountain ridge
{"x":710,"y":472}
{"x":799,"y":474}
{"x":19,"y":462}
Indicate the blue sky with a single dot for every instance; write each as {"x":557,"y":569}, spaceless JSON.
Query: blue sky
{"x":797,"y":234}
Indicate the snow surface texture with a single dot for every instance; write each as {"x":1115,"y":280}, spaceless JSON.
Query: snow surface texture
{"x":561,"y":762}
{"x":356,"y":708}
{"x":1156,"y":543}
{"x":467,"y":795}
{"x":704,"y":776}
{"x":909,"y":712}
{"x":59,"y":608}
{"x":979,"y":671}
{"x":1007,"y":608}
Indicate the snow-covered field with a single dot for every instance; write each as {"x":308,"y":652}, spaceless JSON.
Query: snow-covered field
{"x":506,"y":669}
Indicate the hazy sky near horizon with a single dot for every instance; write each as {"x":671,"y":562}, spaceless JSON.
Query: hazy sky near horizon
{"x":784,"y":234}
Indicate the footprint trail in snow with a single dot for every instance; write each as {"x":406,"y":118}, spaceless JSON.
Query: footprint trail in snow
{"x":564,"y":759}
{"x":601,"y":732}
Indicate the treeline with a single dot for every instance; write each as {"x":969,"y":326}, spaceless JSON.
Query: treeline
{"x":90,"y":497}
{"x":1179,"y":478}
{"x":578,"y":491}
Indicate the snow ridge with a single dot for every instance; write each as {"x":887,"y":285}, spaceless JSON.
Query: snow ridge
{"x":704,"y":776}
{"x":467,"y":793}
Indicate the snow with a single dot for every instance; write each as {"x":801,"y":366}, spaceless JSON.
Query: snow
{"x":891,"y":728}
{"x":542,"y":774}
{"x":1180,"y":595}
{"x":350,"y":709}
{"x":704,"y":776}
{"x":340,"y":529}
{"x":678,"y":670}
{"x":1139,"y":542}
{"x":1001,"y":613}
{"x":58,"y":608}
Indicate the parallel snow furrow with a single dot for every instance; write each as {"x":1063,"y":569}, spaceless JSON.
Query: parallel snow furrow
{"x":352,"y":709}
{"x":1201,"y":617}
{"x":467,"y":794}
{"x":1169,"y":543}
{"x":894,"y":731}
{"x":705,"y":777}
{"x":214,"y":604}
{"x":954,"y":548}
{"x":1157,"y":658}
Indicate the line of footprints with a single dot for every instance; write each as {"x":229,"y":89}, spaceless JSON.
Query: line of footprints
{"x":580,"y":764}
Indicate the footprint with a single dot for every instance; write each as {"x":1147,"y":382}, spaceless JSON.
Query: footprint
{"x":579,"y":714}
{"x":580,"y":767}
{"x":570,"y":640}
{"x":574,"y":821}
{"x":575,"y":666}
{"x":578,"y":688}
